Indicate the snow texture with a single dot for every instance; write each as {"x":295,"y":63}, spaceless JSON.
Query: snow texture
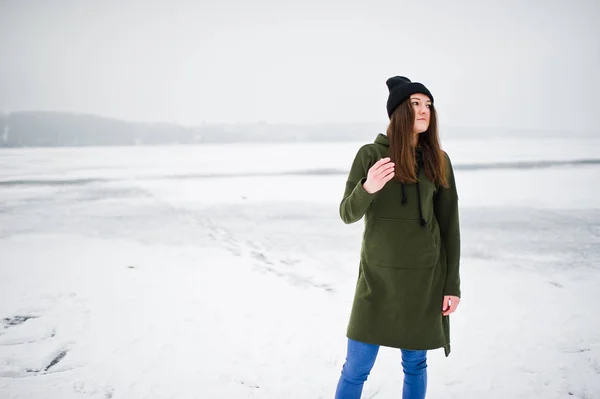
{"x":224,"y":271}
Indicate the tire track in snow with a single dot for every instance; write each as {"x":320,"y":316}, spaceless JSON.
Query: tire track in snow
{"x":262,"y":259}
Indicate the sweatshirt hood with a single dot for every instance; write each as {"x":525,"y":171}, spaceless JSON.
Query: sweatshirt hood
{"x":382,"y":139}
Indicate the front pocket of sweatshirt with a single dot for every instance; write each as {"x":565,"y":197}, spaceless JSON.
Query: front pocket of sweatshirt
{"x":399,"y":244}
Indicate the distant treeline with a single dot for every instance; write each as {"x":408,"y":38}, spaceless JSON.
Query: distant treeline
{"x":52,"y":129}
{"x":57,"y":129}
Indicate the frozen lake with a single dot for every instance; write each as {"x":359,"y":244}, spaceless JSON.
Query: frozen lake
{"x":224,"y":271}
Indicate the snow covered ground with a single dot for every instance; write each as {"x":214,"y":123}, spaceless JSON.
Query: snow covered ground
{"x":224,"y":271}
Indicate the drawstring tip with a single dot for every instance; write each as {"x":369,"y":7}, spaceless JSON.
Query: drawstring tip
{"x":423,"y":222}
{"x":403,"y":201}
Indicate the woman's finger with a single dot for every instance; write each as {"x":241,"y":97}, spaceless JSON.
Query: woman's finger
{"x":453,"y":306}
{"x":454,"y":301}
{"x":383,"y":172}
{"x":382,"y":161}
{"x":383,"y":166}
{"x":445,"y":303}
{"x":388,"y":177}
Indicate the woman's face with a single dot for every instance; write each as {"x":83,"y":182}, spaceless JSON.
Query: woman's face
{"x":422,"y":106}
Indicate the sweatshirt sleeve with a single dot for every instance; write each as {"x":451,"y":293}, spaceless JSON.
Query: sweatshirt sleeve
{"x":356,"y":200}
{"x":446,"y":212}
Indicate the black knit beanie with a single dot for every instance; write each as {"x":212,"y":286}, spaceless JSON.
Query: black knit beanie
{"x":400,"y":89}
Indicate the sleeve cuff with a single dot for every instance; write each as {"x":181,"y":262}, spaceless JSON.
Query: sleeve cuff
{"x":361,"y":192}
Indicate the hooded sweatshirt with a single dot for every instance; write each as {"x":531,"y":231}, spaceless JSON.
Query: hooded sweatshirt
{"x":409,"y":256}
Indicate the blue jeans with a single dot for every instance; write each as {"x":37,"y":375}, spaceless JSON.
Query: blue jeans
{"x":360,"y":360}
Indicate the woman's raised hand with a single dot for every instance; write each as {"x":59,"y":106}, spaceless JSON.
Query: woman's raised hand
{"x":379,"y":174}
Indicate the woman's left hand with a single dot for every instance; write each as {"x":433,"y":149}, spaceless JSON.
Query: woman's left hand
{"x":450,"y":304}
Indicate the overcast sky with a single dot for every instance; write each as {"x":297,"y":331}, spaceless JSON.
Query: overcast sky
{"x":530,"y":64}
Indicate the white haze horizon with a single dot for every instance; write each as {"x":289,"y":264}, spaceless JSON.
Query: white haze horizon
{"x":379,"y":126}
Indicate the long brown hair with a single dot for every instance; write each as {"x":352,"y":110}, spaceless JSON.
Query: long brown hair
{"x":400,"y":134}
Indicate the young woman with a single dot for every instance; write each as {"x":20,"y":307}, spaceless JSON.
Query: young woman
{"x":408,"y":280}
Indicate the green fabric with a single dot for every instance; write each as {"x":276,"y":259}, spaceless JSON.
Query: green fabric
{"x":405,"y":269}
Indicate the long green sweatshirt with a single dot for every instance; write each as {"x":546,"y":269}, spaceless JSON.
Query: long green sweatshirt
{"x":406,"y":265}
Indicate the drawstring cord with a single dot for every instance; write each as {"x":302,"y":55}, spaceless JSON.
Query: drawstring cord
{"x":422,"y":221}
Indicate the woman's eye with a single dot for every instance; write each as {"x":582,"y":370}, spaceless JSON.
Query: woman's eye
{"x":415,"y":103}
{"x":429,"y":106}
